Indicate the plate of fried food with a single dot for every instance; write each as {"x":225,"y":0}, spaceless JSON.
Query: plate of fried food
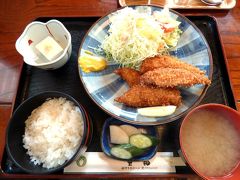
{"x":145,"y":64}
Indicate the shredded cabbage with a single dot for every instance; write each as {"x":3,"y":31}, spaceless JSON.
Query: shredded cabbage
{"x":171,"y":38}
{"x":134,"y":36}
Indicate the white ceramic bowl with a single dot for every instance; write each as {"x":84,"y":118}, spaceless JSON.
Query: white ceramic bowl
{"x":37,"y":31}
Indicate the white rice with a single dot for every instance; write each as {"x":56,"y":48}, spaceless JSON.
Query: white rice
{"x":53,"y":132}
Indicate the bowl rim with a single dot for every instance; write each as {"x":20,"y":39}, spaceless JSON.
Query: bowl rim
{"x":84,"y":140}
{"x":185,"y":119}
{"x":17,"y":44}
{"x":167,"y":120}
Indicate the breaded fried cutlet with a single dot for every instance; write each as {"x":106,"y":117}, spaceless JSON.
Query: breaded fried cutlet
{"x":146,"y":96}
{"x":170,"y":77}
{"x":167,"y":62}
{"x":131,"y":76}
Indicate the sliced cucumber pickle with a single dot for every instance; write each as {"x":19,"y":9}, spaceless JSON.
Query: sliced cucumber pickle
{"x":126,"y":151}
{"x":143,"y":141}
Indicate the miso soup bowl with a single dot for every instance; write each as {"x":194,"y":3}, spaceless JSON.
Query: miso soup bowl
{"x":37,"y":31}
{"x":233,"y":117}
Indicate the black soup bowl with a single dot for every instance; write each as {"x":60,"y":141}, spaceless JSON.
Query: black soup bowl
{"x":16,"y":130}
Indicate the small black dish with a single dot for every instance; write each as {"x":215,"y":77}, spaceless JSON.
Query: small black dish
{"x":16,"y":129}
{"x":106,"y":144}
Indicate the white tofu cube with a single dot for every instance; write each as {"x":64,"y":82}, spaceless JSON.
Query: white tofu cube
{"x":49,"y":48}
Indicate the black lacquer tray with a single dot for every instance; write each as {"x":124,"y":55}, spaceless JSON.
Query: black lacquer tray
{"x":66,"y":79}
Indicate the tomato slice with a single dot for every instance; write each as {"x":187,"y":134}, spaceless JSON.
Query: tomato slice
{"x":168,"y":28}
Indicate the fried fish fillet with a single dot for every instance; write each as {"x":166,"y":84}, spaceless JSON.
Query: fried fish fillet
{"x":131,"y":76}
{"x":146,"y":96}
{"x":170,"y":77}
{"x":167,"y":62}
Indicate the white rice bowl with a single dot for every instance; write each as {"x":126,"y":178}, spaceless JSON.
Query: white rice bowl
{"x":53,"y":132}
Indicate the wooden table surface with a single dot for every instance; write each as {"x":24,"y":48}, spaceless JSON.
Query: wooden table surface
{"x":15,"y":15}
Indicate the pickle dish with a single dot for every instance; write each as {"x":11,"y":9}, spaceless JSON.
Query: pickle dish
{"x":124,"y":141}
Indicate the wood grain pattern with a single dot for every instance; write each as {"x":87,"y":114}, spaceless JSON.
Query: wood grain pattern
{"x":5,"y":112}
{"x":106,"y":176}
{"x":15,"y":15}
{"x":180,"y":4}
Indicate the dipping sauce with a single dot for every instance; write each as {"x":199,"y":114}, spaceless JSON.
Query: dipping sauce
{"x":211,"y":143}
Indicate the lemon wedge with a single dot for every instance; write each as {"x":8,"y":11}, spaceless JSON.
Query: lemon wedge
{"x":157,"y":111}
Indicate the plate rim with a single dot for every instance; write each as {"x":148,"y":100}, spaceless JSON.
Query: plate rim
{"x":153,"y":122}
